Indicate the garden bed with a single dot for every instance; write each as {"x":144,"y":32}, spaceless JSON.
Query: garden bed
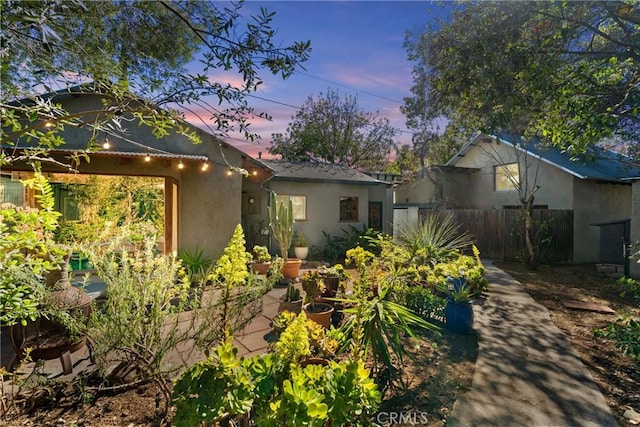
{"x":433,"y":381}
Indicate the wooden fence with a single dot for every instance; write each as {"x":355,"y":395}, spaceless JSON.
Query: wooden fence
{"x":499,"y":233}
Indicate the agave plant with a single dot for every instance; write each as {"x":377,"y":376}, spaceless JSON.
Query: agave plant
{"x":435,"y":238}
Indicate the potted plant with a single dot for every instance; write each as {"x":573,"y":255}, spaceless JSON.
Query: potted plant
{"x":319,"y":312}
{"x":261,"y":259}
{"x":291,"y":300}
{"x":334,"y":277}
{"x":281,"y":228}
{"x":458,"y":312}
{"x":300,"y":246}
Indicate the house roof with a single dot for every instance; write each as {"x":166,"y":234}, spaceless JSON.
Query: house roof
{"x":316,"y":172}
{"x":595,"y":164}
{"x":123,"y":145}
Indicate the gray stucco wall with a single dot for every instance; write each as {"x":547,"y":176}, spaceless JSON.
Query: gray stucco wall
{"x":635,"y":226}
{"x":555,"y":186}
{"x":323,"y":207}
{"x":596,"y":202}
{"x":209,"y":201}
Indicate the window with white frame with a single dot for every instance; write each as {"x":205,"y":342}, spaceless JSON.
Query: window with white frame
{"x":299,"y":205}
{"x":507,"y":177}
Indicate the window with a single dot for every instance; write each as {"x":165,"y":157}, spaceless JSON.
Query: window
{"x":299,"y":205}
{"x":349,"y":209}
{"x":11,"y":191}
{"x":507,"y":177}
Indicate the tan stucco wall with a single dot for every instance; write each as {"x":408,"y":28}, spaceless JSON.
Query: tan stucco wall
{"x":596,"y":202}
{"x":556,"y":186}
{"x":457,"y":190}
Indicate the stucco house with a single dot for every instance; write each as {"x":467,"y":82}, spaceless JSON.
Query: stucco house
{"x":205,"y":193}
{"x":326,"y":197}
{"x":202,"y":191}
{"x":487,"y":172}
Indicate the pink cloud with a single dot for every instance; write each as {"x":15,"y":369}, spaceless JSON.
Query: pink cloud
{"x":370,"y":76}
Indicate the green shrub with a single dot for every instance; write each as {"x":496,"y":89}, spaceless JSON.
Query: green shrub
{"x":213,"y":389}
{"x":266,"y":392}
{"x":27,"y":253}
{"x":376,"y":323}
{"x":337,"y":246}
{"x":436,"y":239}
{"x":625,"y":331}
{"x":424,"y":302}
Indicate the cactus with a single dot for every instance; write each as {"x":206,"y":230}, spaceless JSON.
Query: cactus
{"x":281,"y":225}
{"x":293,"y":294}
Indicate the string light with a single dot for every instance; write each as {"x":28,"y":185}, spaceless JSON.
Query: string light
{"x":255,"y":172}
{"x":229,"y":172}
{"x":180,"y":165}
{"x":205,"y":166}
{"x":147,"y":158}
{"x":106,"y":144}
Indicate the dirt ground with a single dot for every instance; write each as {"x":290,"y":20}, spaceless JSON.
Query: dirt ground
{"x":442,"y":367}
{"x":615,"y":373}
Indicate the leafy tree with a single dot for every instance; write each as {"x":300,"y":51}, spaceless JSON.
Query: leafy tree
{"x":135,"y":52}
{"x":405,"y":162}
{"x":566,"y":72}
{"x":563,"y":72}
{"x":332,"y":129}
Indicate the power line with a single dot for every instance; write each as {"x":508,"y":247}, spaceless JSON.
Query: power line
{"x":351,"y":88}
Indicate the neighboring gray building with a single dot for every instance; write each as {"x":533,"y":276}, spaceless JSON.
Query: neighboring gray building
{"x":485,"y":172}
{"x":326,"y":197}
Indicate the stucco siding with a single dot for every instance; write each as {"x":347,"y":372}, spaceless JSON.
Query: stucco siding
{"x":635,"y":226}
{"x":383,"y":194}
{"x":555,"y":186}
{"x":596,"y":202}
{"x":323,"y":207}
{"x":209,"y":201}
{"x":417,"y":191}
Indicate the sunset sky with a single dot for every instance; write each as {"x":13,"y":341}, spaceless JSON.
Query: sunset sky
{"x":357,"y":48}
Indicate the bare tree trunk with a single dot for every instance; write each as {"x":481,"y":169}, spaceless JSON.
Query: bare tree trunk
{"x":527,"y":206}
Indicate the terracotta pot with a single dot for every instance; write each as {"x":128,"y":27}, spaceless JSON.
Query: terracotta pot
{"x":320,"y":313}
{"x":291,"y":268}
{"x":261,"y":267}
